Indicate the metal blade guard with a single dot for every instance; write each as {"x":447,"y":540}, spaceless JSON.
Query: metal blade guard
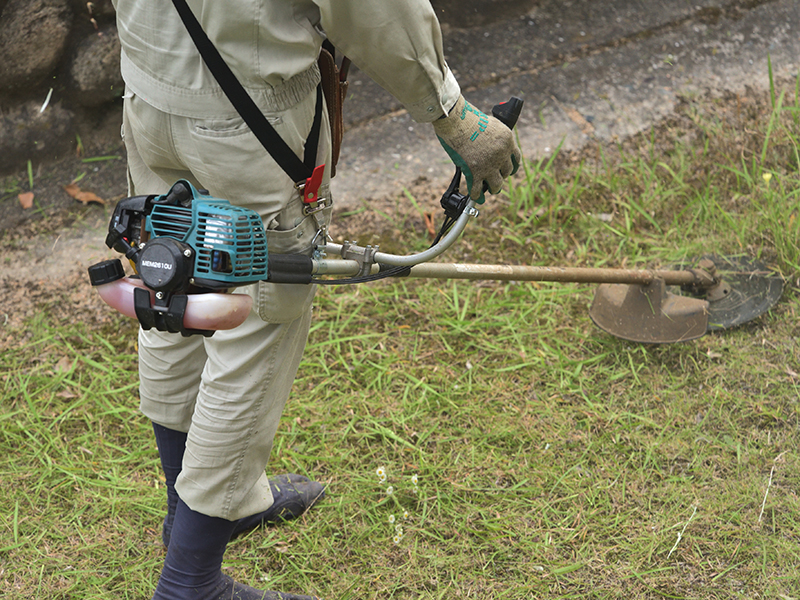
{"x":648,"y":313}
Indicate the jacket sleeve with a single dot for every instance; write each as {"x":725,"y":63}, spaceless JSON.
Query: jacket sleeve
{"x":398,"y":43}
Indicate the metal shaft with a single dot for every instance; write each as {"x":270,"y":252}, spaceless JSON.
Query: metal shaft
{"x":519,"y":273}
{"x":562,"y":274}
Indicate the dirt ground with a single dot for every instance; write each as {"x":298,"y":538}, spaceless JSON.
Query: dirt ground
{"x":46,"y":249}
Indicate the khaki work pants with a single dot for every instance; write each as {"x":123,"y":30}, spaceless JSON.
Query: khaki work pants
{"x":227,"y":391}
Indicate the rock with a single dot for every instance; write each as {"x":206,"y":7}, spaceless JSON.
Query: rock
{"x":33,"y":35}
{"x":28,"y":134}
{"x":94,"y":70}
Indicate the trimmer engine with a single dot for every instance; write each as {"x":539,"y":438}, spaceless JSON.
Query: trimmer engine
{"x":182,"y":241}
{"x":187,"y":238}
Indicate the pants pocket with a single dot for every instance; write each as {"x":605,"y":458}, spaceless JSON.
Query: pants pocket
{"x":224,"y":128}
{"x":285,"y":302}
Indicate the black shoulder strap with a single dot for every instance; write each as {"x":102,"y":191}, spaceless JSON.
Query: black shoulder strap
{"x":299,"y":170}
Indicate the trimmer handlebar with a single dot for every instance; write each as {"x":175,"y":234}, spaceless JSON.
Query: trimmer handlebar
{"x":458,"y":209}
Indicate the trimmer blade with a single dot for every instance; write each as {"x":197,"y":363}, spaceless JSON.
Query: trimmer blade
{"x":748,"y":290}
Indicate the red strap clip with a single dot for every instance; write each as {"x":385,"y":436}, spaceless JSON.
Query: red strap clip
{"x":311,"y":187}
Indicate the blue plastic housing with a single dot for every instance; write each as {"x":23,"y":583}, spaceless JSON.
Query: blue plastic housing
{"x":229,"y":241}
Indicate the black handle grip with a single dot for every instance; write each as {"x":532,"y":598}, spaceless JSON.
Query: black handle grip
{"x":508,"y":112}
{"x":290,"y":268}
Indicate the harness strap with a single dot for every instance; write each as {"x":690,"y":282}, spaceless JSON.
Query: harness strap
{"x":300,"y":171}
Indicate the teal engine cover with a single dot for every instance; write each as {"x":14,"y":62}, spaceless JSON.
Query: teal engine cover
{"x":229,"y":241}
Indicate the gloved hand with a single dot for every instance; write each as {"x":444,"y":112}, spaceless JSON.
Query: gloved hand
{"x":480,"y":145}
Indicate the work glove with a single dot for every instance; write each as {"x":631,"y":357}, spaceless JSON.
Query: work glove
{"x":482,"y":146}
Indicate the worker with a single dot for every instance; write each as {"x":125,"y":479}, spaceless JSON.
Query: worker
{"x":215,"y":402}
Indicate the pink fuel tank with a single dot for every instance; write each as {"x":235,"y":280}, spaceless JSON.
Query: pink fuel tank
{"x":211,"y":311}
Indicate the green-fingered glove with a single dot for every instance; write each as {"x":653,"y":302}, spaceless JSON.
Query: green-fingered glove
{"x":480,"y":145}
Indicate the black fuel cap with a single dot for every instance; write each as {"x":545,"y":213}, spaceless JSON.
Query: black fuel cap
{"x":107,"y":271}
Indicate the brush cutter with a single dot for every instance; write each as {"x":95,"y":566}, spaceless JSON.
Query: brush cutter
{"x":189,"y":250}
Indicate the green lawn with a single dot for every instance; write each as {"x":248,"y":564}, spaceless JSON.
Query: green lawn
{"x":550,"y":459}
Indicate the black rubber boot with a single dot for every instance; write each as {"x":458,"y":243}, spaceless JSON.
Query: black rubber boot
{"x":194,"y":557}
{"x":292,"y":494}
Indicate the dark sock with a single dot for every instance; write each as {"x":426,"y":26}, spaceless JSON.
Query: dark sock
{"x":171,"y":446}
{"x":293,"y":495}
{"x":194,"y":557}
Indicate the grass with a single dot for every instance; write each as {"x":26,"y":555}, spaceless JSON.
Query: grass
{"x":551,"y":460}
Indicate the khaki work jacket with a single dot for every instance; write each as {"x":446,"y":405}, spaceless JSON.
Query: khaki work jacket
{"x":272,"y":47}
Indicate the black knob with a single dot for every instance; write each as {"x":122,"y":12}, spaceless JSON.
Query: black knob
{"x":107,"y":271}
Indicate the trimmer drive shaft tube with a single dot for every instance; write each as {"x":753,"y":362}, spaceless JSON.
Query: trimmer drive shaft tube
{"x":560,"y":274}
{"x":520,"y":273}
